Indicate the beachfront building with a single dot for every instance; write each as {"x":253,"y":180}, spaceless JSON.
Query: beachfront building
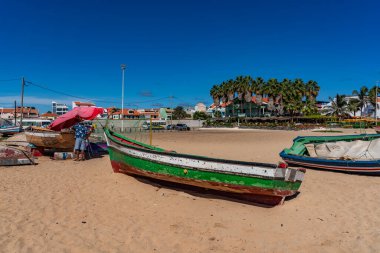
{"x":149,"y":113}
{"x":212,"y":111}
{"x":127,"y":114}
{"x":189,"y":111}
{"x":368,"y":109}
{"x":82,"y":104}
{"x":49,"y":115}
{"x":166,"y":113}
{"x":58,"y":108}
{"x":200,"y":107}
{"x":241,"y":108}
{"x":27,"y":112}
{"x":7,"y":113}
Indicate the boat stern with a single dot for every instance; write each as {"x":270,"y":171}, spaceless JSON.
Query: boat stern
{"x":292,"y":175}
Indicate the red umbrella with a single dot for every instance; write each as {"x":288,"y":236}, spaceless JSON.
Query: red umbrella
{"x":74,"y":116}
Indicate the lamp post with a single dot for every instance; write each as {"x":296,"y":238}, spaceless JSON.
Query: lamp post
{"x":377,"y":84}
{"x":123,"y":67}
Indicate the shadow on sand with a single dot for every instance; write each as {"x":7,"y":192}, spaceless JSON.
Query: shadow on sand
{"x":204,"y":193}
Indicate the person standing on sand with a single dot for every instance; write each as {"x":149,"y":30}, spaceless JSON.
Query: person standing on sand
{"x":81,"y":133}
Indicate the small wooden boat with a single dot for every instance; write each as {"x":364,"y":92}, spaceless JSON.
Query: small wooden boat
{"x":262,"y":183}
{"x":14,"y":156}
{"x":49,"y":139}
{"x":359,"y":154}
{"x":10,"y":130}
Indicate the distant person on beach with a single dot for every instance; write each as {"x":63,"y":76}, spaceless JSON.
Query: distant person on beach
{"x":81,"y":135}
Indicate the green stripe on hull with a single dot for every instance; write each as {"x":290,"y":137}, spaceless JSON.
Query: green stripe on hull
{"x":210,"y":176}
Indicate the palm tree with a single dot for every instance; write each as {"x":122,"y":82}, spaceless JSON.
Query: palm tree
{"x":240,"y":86}
{"x":272,"y":90}
{"x":231,"y":89}
{"x":353,"y":106}
{"x":373,"y":98}
{"x":224,"y":91}
{"x":362,"y":97}
{"x":311,"y":90}
{"x":248,"y":89}
{"x":215,"y":93}
{"x":259,"y":85}
{"x":338,"y":106}
{"x":284,"y":92}
{"x":299,"y":88}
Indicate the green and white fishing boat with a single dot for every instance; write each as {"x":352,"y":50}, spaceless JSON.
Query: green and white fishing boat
{"x":261,"y":183}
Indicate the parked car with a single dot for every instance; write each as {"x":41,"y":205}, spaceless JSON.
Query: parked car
{"x":170,"y":127}
{"x":182,"y":127}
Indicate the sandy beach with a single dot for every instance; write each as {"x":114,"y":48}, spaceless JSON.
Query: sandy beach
{"x":67,"y":206}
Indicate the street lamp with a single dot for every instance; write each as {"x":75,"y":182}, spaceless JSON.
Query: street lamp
{"x":377,"y":84}
{"x":123,"y":67}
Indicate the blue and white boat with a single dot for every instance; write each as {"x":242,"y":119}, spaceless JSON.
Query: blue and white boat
{"x":357,"y":154}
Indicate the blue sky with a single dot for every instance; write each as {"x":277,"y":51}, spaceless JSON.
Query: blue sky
{"x":182,"y":48}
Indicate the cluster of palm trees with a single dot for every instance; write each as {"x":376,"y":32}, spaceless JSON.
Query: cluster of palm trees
{"x":286,"y":96}
{"x":342,"y":107}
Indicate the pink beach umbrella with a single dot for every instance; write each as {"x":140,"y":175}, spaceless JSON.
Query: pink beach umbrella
{"x":74,"y":116}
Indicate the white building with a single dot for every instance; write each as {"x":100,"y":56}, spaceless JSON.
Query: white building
{"x":367,"y":111}
{"x":7,"y":113}
{"x":213,"y":109}
{"x":200,"y":107}
{"x":59,"y":108}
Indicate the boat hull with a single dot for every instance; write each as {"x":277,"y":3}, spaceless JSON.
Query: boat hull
{"x":51,"y":139}
{"x":268,"y":186}
{"x":295,"y":157}
{"x":353,"y":167}
{"x":12,"y":156}
{"x":10,"y":130}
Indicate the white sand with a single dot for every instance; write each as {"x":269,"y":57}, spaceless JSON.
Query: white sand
{"x":67,"y":206}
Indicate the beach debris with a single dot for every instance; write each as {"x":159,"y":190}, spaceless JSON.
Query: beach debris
{"x":63,"y":155}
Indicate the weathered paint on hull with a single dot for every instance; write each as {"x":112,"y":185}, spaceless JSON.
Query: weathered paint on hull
{"x":12,"y":156}
{"x":261,"y":183}
{"x":10,"y":130}
{"x":257,"y":195}
{"x":258,"y":190}
{"x":47,"y":139}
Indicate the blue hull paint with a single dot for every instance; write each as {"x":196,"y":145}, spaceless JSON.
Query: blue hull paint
{"x":345,"y":166}
{"x":10,"y":130}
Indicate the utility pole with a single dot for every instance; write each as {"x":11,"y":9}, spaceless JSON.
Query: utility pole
{"x":15,"y":114}
{"x":171,"y":108}
{"x":22,"y":101}
{"x":123,"y":67}
{"x":377,"y":84}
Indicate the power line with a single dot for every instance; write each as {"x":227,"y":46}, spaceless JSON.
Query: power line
{"x":55,"y":91}
{"x":95,"y":100}
{"x":9,"y":80}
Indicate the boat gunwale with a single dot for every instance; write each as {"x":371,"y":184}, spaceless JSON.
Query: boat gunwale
{"x":269,"y":191}
{"x":279,"y":178}
{"x":333,"y":137}
{"x":324,"y":161}
{"x":285,"y":153}
{"x":210,"y":159}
